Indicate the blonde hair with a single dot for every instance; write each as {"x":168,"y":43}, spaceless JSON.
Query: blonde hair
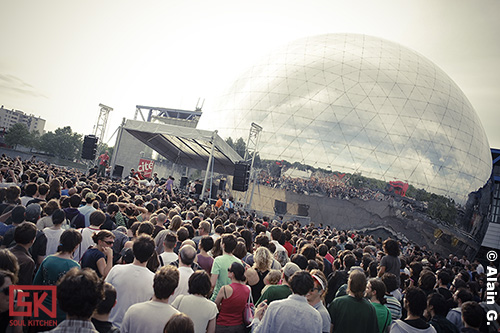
{"x":263,"y":259}
{"x":273,"y":277}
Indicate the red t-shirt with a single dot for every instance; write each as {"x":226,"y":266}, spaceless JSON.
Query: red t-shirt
{"x":103,"y":159}
{"x":289,"y":248}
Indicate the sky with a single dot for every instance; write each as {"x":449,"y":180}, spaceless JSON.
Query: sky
{"x":60,"y":59}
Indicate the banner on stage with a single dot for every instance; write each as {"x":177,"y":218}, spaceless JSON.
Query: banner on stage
{"x":146,"y":167}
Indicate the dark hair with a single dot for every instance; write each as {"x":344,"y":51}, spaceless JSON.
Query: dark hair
{"x":112,"y":208}
{"x":18,"y":214}
{"x":146,"y":228}
{"x":31,"y":189}
{"x":300,"y":260}
{"x":8,"y":262}
{"x":199,"y":283}
{"x":165,"y":281}
{"x":206,"y":243}
{"x":417,"y":301}
{"x":58,"y":216}
{"x":229,"y":242}
{"x":391,"y":281}
{"x":444,"y":277}
{"x":69,"y":240}
{"x":391,"y":247}
{"x":108,"y":302}
{"x":427,"y":280}
{"x":238,"y":270}
{"x":308,"y":251}
{"x":101,"y":235}
{"x":262,"y":240}
{"x":301,"y":283}
{"x":276,"y":233}
{"x":464,"y":295}
{"x":182,"y":234}
{"x":75,"y":200}
{"x":240,"y":250}
{"x":179,"y":323}
{"x":7,"y":274}
{"x":79,"y":292}
{"x":439,"y":304}
{"x":97,"y":218}
{"x":472,"y":314}
{"x":143,"y":247}
{"x":25,"y":233}
{"x":349,"y":261}
{"x":170,"y":239}
{"x":379,"y":288}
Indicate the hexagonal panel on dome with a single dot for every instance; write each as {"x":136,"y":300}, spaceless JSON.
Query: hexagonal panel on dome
{"x":357,"y":103}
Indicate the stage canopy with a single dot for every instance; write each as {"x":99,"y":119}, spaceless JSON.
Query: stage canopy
{"x":185,"y":145}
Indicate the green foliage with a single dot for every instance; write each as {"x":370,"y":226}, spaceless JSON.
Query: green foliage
{"x":19,"y":134}
{"x":63,"y":143}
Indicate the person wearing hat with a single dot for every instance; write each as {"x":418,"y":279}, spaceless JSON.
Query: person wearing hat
{"x":281,"y":291}
{"x":88,"y":208}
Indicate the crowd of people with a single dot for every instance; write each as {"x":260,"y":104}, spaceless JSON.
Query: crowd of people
{"x":131,"y":257}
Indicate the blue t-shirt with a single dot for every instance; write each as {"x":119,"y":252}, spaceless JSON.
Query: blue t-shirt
{"x":90,"y":258}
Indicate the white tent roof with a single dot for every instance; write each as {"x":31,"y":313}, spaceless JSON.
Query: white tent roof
{"x":185,"y":145}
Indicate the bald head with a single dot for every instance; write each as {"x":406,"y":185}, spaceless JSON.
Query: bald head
{"x":187,"y":253}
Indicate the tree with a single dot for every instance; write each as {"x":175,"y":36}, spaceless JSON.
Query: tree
{"x":62,"y":143}
{"x":19,"y":134}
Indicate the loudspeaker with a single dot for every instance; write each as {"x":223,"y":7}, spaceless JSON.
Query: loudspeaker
{"x":279,"y":207}
{"x":222,"y":185}
{"x":303,"y":210}
{"x":184,"y":182}
{"x":117,"y":171}
{"x":241,"y":176}
{"x":89,"y":147}
{"x":213,"y":192}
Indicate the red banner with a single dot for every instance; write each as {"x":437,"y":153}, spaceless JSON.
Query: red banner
{"x":146,"y":167}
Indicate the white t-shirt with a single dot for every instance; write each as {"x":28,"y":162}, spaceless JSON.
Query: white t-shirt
{"x":182,"y":287}
{"x":168,"y":257}
{"x":134,"y":284}
{"x":150,"y":316}
{"x":198,"y":308}
{"x":86,"y":242}
{"x":53,"y":237}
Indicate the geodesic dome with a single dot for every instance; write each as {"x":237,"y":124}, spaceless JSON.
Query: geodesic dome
{"x":356,"y":103}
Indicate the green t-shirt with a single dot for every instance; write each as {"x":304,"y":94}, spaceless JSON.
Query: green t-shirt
{"x":350,"y":314}
{"x":384,"y":317}
{"x":275,"y":293}
{"x":219,"y":267}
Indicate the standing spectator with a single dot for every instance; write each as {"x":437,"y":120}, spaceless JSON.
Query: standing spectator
{"x":392,"y":303}
{"x":222,"y":263}
{"x":100,"y":317}
{"x":77,"y":220}
{"x":125,"y":279}
{"x":203,"y":258}
{"x":261,"y":267}
{"x":179,"y":323}
{"x":24,"y":236}
{"x":415,"y":303}
{"x":169,"y":242}
{"x":460,"y":296}
{"x":88,"y":208}
{"x":54,"y":232}
{"x":78,"y":293}
{"x":472,"y":315}
{"x":292,"y":314}
{"x":49,"y":209}
{"x":316,"y":298}
{"x":437,"y":309}
{"x":100,"y":256}
{"x":202,"y":311}
{"x":390,"y":263}
{"x":231,"y":301}
{"x":152,"y":315}
{"x":352,"y":312}
{"x":281,"y":291}
{"x":97,"y":218}
{"x":55,"y":266}
{"x":375,"y":292}
{"x":187,"y":254}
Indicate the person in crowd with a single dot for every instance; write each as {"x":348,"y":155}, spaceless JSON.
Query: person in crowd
{"x":292,"y":314}
{"x":437,"y":308}
{"x":24,"y":236}
{"x":222,"y":263}
{"x":415,"y":303}
{"x":472,"y":315}
{"x":317,"y":296}
{"x":263,"y":260}
{"x":88,"y":208}
{"x":7,"y":278}
{"x":97,"y":218}
{"x":352,"y":312}
{"x":179,"y":323}
{"x":48,"y":210}
{"x":187,"y":254}
{"x":460,"y":296}
{"x":203,"y":258}
{"x":375,"y":292}
{"x":392,"y":303}
{"x":281,"y":291}
{"x":55,"y":266}
{"x":231,"y":300}
{"x":100,"y":256}
{"x":169,"y":242}
{"x":77,"y":219}
{"x":390,"y":263}
{"x":125,"y":277}
{"x":152,"y":315}
{"x":54,"y":232}
{"x":78,"y":293}
{"x":100,"y":317}
{"x":202,"y":311}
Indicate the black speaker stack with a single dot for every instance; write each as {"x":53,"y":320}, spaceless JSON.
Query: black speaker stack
{"x":241,"y":176}
{"x":89,"y":147}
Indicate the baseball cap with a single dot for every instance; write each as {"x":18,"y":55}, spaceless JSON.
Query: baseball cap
{"x":33,"y":212}
{"x":290,"y":269}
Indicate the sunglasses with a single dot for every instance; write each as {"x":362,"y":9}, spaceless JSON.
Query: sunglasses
{"x":109,"y":242}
